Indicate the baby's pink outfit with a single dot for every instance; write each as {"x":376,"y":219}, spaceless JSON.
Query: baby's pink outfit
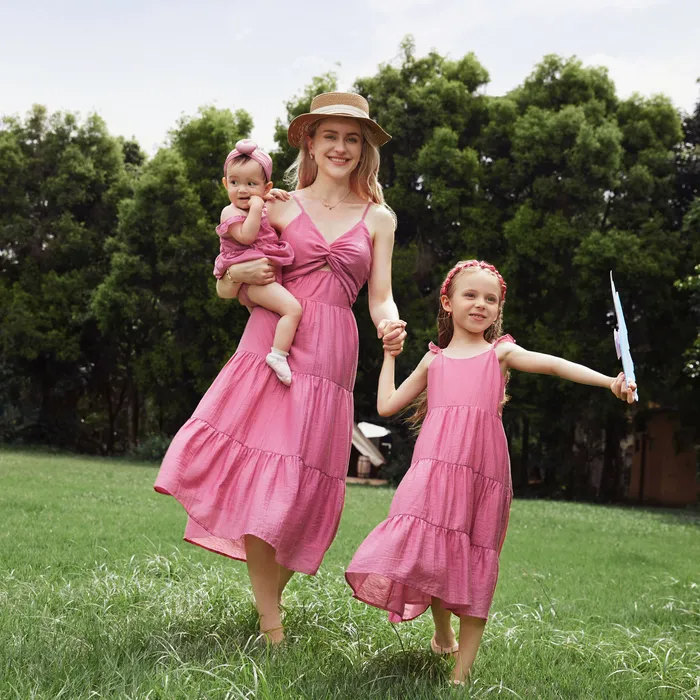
{"x":267,"y":244}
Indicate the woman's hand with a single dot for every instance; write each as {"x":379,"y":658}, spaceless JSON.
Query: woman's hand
{"x":259,"y":272}
{"x":393,"y":334}
{"x":276,"y":193}
{"x":622,"y":390}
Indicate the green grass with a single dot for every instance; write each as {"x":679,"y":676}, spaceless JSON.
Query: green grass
{"x":100,"y":598}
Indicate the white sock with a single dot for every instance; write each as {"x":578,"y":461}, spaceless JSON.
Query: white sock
{"x":277,"y":360}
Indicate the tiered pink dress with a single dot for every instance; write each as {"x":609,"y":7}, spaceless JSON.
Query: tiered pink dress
{"x":449,"y":516}
{"x":258,"y":457}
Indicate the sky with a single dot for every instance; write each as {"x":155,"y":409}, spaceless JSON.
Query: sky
{"x":142,"y":65}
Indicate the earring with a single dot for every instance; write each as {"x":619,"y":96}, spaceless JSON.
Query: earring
{"x":311,"y":155}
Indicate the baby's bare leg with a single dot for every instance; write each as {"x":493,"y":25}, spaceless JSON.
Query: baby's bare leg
{"x":276,"y":298}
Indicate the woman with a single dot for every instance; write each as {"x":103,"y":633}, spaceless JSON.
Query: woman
{"x":260,"y":467}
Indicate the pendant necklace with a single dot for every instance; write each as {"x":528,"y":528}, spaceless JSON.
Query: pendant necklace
{"x":330,"y":207}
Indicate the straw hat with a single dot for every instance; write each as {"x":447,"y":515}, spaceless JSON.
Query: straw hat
{"x":336,"y":104}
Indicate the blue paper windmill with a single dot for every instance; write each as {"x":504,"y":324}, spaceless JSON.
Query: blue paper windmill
{"x":622,"y":343}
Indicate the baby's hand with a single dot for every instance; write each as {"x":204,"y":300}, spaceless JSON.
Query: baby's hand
{"x":256,"y":201}
{"x":276,"y":193}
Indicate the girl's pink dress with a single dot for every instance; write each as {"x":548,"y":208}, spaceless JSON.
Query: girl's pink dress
{"x":258,"y":457}
{"x":449,"y":515}
{"x":267,"y":244}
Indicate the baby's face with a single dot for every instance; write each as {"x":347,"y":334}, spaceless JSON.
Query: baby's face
{"x":242,"y":181}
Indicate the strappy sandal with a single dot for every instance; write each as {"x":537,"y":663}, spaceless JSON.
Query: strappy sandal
{"x":442,"y":651}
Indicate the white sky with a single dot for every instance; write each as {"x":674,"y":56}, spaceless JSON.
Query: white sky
{"x":142,"y":64}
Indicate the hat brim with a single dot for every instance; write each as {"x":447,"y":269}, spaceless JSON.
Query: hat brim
{"x":300,"y":126}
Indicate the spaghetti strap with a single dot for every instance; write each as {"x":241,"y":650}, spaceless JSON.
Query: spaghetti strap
{"x":298,"y":201}
{"x":506,"y":338}
{"x":369,"y":204}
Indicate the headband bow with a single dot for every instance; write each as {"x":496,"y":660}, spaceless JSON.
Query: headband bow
{"x":248,"y":147}
{"x":473,"y":263}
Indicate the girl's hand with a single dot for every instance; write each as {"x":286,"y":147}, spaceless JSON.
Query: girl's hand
{"x":276,"y":193}
{"x":256,"y":201}
{"x":393,"y":334}
{"x":259,"y":272}
{"x":620,"y":388}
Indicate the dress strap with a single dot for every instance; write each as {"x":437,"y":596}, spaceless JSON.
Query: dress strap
{"x":504,"y":339}
{"x":369,"y":204}
{"x":298,"y":201}
{"x":434,"y":348}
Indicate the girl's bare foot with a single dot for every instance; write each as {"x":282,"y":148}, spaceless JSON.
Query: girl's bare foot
{"x":444,"y":649}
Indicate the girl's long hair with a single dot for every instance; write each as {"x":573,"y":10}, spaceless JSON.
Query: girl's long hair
{"x":446,"y":329}
{"x":364,"y":180}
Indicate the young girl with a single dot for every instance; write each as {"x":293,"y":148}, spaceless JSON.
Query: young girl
{"x":439,"y":547}
{"x":246,"y":234}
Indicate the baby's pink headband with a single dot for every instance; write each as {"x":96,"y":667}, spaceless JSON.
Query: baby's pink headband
{"x":473,"y":263}
{"x":248,"y":147}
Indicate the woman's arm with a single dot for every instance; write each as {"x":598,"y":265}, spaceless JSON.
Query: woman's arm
{"x":260,"y":272}
{"x":516,"y":357}
{"x":382,"y":307}
{"x":391,"y":400}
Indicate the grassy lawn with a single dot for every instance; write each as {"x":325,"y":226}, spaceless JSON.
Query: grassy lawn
{"x":99,"y":597}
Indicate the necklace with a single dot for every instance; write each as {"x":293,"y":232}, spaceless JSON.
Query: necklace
{"x":330,"y":207}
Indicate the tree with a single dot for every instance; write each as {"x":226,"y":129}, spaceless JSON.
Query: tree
{"x":158,"y":300}
{"x":62,"y":181}
{"x":203,"y":142}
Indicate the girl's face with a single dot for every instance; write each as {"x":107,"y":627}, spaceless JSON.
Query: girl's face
{"x":474,"y":301}
{"x":243,"y":180}
{"x":336,"y":146}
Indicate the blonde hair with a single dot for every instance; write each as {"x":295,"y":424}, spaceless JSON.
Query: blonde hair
{"x":364,"y":180}
{"x":446,"y":329}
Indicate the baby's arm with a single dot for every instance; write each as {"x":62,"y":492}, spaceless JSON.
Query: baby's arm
{"x":245,"y":232}
{"x":391,"y":400}
{"x":516,"y":357}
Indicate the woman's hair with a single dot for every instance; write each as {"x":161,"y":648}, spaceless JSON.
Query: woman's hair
{"x":364,"y":180}
{"x":446,"y":329}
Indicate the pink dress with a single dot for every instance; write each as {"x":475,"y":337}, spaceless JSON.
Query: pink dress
{"x":267,"y":244}
{"x":449,"y":515}
{"x":258,"y":457}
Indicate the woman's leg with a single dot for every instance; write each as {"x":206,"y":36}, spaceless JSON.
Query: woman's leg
{"x":444,"y":634}
{"x":471,"y":630}
{"x":264,"y":577}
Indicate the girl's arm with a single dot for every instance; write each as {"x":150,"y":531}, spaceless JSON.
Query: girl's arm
{"x":390,"y":400}
{"x":382,"y":307}
{"x":515,"y":357}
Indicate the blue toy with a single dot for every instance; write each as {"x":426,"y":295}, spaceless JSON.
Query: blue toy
{"x":622,"y":343}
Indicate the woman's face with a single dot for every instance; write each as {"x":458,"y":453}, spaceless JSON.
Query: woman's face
{"x":336,"y":146}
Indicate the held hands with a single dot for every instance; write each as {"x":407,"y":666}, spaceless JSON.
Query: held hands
{"x":393,"y":334}
{"x":621,"y":390}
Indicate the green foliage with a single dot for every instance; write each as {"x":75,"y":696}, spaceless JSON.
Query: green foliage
{"x":203,"y":142}
{"x":111,"y":329}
